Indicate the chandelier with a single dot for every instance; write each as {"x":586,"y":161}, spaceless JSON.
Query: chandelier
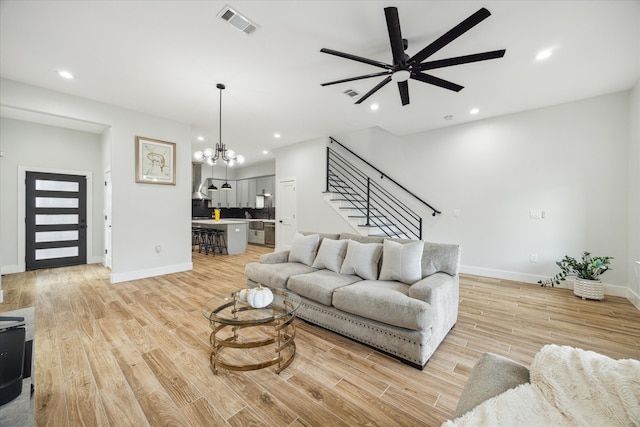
{"x":211,"y":155}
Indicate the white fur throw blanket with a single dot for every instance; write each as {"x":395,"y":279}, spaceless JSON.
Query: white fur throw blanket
{"x":569,"y":387}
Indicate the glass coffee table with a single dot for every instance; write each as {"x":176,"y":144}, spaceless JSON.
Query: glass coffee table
{"x":244,"y":338}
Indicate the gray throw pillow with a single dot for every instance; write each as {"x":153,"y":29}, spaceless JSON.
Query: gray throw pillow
{"x":402,"y":262}
{"x":303,"y":249}
{"x":362,"y":259}
{"x":331,"y":254}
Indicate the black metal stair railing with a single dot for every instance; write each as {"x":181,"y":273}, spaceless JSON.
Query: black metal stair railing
{"x":376,"y":205}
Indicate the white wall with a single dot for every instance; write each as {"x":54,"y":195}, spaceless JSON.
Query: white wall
{"x":634,"y":195}
{"x":144,"y":215}
{"x":569,"y":160}
{"x":44,"y":148}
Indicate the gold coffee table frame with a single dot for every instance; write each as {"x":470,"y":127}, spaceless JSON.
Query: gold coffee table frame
{"x":227,"y":311}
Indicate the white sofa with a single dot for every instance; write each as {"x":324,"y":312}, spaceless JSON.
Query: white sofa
{"x":396,"y":295}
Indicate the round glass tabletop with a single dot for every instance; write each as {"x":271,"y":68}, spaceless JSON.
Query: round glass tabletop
{"x":228,"y":309}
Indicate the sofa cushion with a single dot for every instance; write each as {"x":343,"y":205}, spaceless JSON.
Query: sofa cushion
{"x":360,"y":238}
{"x":319,"y":285}
{"x":386,"y":302}
{"x":331,"y":255}
{"x":438,"y":257}
{"x":274,"y":275}
{"x":332,"y":236}
{"x":304,"y":248}
{"x":362,"y":259}
{"x":402,"y":261}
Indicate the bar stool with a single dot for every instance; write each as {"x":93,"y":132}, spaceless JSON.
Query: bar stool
{"x":195,"y":238}
{"x":220,"y":242}
{"x":210,"y":241}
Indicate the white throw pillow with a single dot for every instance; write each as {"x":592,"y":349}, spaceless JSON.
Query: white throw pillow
{"x":331,"y":254}
{"x":362,"y":259}
{"x":303,"y":248}
{"x":402,"y":261}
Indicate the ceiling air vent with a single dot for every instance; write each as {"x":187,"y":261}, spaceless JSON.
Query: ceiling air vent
{"x":350,"y":92}
{"x":238,"y":21}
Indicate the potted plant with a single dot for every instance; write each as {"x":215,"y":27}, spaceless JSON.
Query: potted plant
{"x":587,"y":272}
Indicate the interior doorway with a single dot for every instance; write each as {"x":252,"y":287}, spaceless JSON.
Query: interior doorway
{"x":55,"y":220}
{"x":287,"y":223}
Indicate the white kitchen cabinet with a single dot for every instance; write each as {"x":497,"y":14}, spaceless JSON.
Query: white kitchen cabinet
{"x":223,"y":198}
{"x":266,"y":185}
{"x":246,"y":194}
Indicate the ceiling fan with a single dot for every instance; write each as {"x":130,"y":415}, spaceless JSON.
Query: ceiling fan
{"x":405,"y":67}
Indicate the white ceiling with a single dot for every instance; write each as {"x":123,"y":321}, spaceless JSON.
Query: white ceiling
{"x":165,"y":58}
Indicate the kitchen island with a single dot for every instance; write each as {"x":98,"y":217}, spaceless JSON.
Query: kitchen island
{"x":235,"y":232}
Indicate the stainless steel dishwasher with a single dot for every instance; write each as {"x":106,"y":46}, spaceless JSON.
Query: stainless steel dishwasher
{"x":270,"y":233}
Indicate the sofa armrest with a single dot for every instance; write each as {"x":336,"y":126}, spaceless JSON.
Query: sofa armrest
{"x":427,"y":288}
{"x":274,"y":257}
{"x":491,"y":375}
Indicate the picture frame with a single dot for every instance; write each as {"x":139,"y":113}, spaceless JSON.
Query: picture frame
{"x":155,"y":161}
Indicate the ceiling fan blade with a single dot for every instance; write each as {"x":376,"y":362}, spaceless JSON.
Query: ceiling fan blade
{"x":374,"y":90}
{"x":382,"y":73}
{"x":450,"y":35}
{"x":357,"y":58}
{"x":403,"y":87}
{"x":427,"y":78}
{"x":494,"y":54}
{"x":395,"y":35}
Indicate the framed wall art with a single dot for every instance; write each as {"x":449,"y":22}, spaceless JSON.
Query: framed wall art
{"x":155,"y":161}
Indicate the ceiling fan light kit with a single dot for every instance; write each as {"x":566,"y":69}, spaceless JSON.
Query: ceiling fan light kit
{"x":405,"y":67}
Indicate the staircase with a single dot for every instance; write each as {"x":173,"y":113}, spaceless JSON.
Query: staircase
{"x":366,"y":205}
{"x":367,"y":220}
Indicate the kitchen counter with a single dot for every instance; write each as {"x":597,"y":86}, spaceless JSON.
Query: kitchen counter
{"x":235,"y":232}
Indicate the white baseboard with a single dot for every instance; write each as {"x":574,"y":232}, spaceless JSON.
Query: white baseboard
{"x":613,"y":290}
{"x":11,"y":269}
{"x":505,"y":275}
{"x":143,"y":274}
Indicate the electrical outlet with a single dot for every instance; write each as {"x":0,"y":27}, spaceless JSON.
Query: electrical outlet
{"x":533,"y":258}
{"x":456,"y":213}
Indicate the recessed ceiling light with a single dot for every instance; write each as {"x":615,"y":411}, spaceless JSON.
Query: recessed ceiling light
{"x":276,"y":135}
{"x":200,"y":138}
{"x":65,"y":74}
{"x":374,"y":107}
{"x":543,"y":54}
{"x":474,"y":111}
{"x":265,"y":151}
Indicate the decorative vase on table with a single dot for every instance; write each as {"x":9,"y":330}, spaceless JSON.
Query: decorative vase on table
{"x":216,"y":213}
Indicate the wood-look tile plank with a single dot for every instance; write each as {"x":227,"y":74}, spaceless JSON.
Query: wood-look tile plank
{"x":202,"y":413}
{"x":91,"y":336}
{"x":176,"y":385}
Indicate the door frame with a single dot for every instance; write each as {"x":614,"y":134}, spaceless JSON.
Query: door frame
{"x":22,"y":211}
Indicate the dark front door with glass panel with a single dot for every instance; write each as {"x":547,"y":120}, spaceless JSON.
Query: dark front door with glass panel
{"x":56,"y":220}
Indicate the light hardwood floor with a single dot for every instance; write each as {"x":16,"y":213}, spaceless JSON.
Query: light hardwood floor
{"x":137,"y":353}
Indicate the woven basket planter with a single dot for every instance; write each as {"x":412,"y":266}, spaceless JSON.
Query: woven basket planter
{"x":588,"y":289}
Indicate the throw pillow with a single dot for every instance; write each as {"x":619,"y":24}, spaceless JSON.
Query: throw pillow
{"x":331,"y":254}
{"x":362,"y":259}
{"x":303,"y":248}
{"x":402,"y":261}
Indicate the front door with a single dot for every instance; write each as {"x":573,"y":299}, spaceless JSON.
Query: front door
{"x":56,"y":220}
